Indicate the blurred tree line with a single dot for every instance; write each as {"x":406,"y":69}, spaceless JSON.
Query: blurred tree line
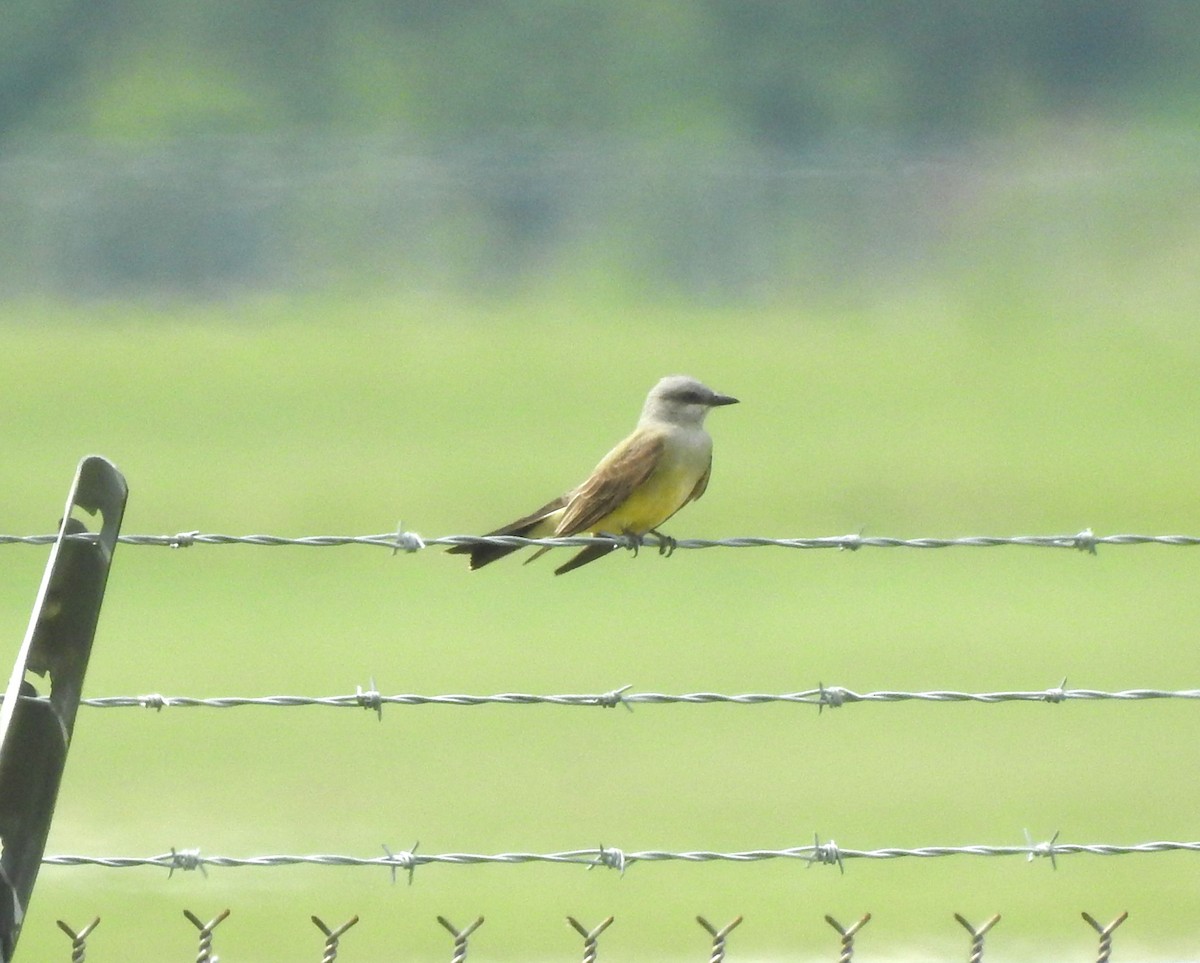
{"x":204,"y":144}
{"x":781,"y":72}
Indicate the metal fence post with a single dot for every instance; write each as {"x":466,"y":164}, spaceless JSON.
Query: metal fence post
{"x":35,"y":733}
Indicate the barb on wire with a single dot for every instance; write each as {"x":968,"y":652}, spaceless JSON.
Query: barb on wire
{"x":204,"y":955}
{"x":410,"y":542}
{"x":847,"y":934}
{"x":78,"y":940}
{"x":718,"y":936}
{"x":1045,"y":850}
{"x":185,"y":859}
{"x":589,"y":936}
{"x":1106,"y":933}
{"x":821,"y":697}
{"x":332,"y":937}
{"x":977,"y":935}
{"x":610,"y":857}
{"x":460,"y":936}
{"x":370,"y":699}
{"x":406,"y":860}
{"x":827,"y":853}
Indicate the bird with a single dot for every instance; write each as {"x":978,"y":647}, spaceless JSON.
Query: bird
{"x":664,"y":464}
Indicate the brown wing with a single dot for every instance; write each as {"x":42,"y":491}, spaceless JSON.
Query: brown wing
{"x":524,"y":524}
{"x":622,"y":470}
{"x":701,"y":484}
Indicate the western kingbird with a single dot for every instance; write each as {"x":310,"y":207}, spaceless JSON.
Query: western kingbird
{"x":637,"y":486}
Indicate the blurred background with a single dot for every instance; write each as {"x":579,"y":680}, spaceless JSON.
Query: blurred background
{"x":723,"y":151}
{"x":313,"y":269}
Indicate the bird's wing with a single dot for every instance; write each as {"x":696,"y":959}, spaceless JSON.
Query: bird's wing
{"x":482,"y":554}
{"x":701,"y":484}
{"x":616,"y":477}
{"x":589,"y":554}
{"x":697,"y":491}
{"x":528,"y":521}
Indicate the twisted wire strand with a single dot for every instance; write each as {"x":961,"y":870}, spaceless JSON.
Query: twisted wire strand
{"x":407,"y":541}
{"x":827,"y":853}
{"x":824,"y":696}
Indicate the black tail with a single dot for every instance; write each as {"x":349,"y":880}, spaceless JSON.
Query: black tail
{"x":481,"y":555}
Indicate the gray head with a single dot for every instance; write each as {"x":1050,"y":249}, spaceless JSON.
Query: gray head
{"x":681,"y":400}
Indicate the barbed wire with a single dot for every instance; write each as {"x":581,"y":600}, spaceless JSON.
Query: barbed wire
{"x":407,"y":541}
{"x":822,"y":853}
{"x":823,"y":696}
{"x":461,"y":935}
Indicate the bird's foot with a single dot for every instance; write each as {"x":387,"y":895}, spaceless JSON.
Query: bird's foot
{"x":666,"y":544}
{"x":626,"y":539}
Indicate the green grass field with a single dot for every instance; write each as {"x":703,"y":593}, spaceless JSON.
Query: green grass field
{"x":335,"y":417}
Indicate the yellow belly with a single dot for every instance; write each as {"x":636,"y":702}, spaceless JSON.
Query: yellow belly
{"x":656,"y":500}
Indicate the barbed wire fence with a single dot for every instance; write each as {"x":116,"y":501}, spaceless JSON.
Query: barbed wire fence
{"x":820,"y":852}
{"x":402,"y":540}
{"x":826,"y":853}
{"x":461,"y":936}
{"x":833,"y":697}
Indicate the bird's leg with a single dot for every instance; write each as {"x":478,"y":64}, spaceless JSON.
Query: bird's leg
{"x":666,"y":544}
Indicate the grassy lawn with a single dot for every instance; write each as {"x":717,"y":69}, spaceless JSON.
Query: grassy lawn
{"x":329,"y":417}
